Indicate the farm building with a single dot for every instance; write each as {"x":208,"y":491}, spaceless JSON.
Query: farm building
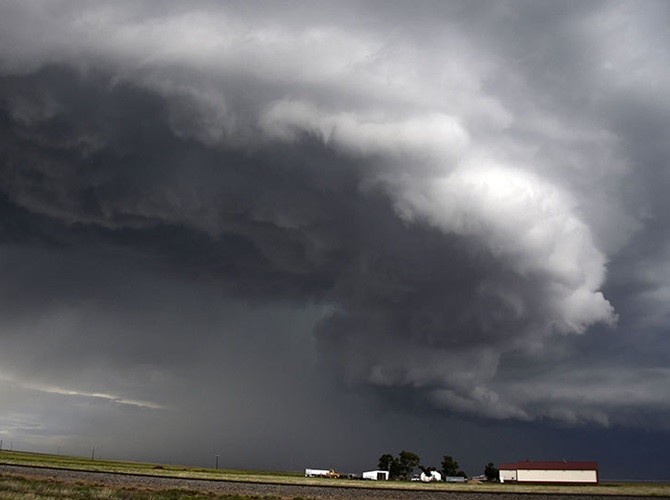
{"x":550,"y":472}
{"x":431,"y":476}
{"x":376,"y":475}
{"x":455,"y":479}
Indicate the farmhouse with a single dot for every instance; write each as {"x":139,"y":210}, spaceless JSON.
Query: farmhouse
{"x":550,"y":472}
{"x":430,"y":477}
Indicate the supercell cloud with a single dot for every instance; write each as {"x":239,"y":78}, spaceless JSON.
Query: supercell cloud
{"x":446,"y":209}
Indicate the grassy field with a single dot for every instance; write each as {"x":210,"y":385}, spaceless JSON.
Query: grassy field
{"x":79,"y":463}
{"x":19,"y":488}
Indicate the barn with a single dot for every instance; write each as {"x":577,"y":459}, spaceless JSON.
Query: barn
{"x":550,"y":472}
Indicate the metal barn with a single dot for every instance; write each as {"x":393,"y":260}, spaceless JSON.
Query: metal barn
{"x":550,"y":472}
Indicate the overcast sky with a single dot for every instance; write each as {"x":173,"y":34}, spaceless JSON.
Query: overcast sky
{"x":304,"y":234}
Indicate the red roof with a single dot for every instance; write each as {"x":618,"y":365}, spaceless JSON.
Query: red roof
{"x":532,"y":465}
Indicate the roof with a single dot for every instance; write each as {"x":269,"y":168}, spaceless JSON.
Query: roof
{"x":562,"y":465}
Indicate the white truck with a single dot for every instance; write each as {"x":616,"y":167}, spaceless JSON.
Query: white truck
{"x":321,"y":473}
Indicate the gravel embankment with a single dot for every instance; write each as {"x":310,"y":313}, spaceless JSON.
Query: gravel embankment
{"x":279,"y":490}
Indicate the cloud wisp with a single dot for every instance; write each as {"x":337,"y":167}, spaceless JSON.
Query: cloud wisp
{"x":52,"y":389}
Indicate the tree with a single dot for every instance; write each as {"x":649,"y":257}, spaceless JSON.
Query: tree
{"x":400,"y":467}
{"x":390,"y":463}
{"x":386,"y":461}
{"x":427,"y":470}
{"x":491,"y":472}
{"x":449,"y":466}
{"x":408,"y":461}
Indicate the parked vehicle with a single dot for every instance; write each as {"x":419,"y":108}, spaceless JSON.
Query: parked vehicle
{"x":329,"y":473}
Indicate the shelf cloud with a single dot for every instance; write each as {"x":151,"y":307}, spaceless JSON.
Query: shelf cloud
{"x":445,"y":210}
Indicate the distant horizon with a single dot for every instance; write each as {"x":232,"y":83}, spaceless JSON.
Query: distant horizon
{"x":301,"y":470}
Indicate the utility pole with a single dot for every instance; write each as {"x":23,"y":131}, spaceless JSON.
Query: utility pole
{"x":93,"y":453}
{"x":0,"y":444}
{"x":217,"y":459}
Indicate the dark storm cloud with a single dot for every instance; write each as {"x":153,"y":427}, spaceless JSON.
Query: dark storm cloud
{"x":265,"y":235}
{"x":454,"y":203}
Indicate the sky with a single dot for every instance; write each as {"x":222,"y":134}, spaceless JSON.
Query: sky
{"x":305,"y":234}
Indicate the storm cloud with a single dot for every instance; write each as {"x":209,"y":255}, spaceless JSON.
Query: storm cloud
{"x":451,"y":211}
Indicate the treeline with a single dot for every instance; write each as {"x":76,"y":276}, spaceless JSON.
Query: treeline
{"x":402,"y":466}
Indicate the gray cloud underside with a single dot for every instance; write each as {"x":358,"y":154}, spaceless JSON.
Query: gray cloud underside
{"x":461,"y":210}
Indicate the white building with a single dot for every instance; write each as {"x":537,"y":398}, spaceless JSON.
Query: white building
{"x":455,"y":479}
{"x":550,"y":472}
{"x":376,"y":475}
{"x":432,"y":476}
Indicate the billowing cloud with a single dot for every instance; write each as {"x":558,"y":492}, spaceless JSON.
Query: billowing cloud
{"x":452,"y":210}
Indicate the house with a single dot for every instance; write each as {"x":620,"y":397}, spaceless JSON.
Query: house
{"x":376,"y":475}
{"x":550,"y":472}
{"x":430,"y":476}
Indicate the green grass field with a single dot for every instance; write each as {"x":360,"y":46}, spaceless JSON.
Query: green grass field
{"x":20,"y":488}
{"x":81,"y":463}
{"x":86,"y":464}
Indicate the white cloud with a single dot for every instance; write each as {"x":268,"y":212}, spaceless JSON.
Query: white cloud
{"x":414,"y":141}
{"x":526,"y":222}
{"x":63,"y":391}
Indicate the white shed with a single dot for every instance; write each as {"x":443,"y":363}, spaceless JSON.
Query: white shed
{"x":550,"y":472}
{"x":376,"y":475}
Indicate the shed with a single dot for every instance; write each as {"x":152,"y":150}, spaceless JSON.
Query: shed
{"x":456,"y":479}
{"x":376,"y":475}
{"x":550,"y":472}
